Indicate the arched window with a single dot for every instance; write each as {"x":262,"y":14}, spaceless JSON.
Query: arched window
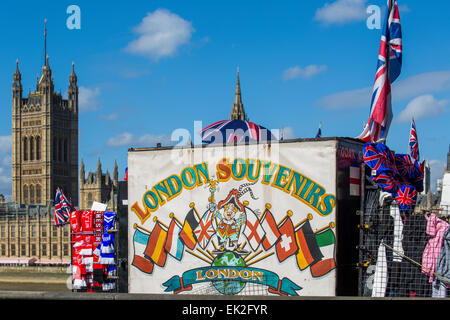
{"x":31,"y":148}
{"x":38,"y":193}
{"x":60,"y":151}
{"x":65,"y":150}
{"x":38,"y":148}
{"x":25,"y":194}
{"x":90,"y":201}
{"x":32,"y":194}
{"x":25,"y":149}
{"x":55,"y":148}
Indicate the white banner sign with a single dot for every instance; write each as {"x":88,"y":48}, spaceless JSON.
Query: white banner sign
{"x":257,"y":220}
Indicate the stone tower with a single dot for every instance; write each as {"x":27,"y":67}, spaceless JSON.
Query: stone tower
{"x":238,"y":112}
{"x":98,"y":187}
{"x":44,"y":139}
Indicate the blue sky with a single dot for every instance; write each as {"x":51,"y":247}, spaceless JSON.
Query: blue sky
{"x":147,"y":68}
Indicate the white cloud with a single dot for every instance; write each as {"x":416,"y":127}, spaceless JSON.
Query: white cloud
{"x":408,"y":88}
{"x":88,"y":99}
{"x":341,"y":11}
{"x":161,"y":33}
{"x":423,"y":106}
{"x":146,"y":140}
{"x":306,"y":72}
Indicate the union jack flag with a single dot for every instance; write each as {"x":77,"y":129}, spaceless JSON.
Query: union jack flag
{"x":378,"y":157}
{"x":413,"y":142}
{"x":386,"y":182}
{"x":406,"y":197}
{"x":388,"y":69}
{"x":406,"y":166}
{"x":62,"y":208}
{"x":231,"y":131}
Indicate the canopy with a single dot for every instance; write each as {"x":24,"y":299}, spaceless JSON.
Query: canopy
{"x":235,"y":131}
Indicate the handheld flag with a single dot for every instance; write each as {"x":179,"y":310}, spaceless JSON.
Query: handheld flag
{"x":413,"y":142}
{"x":319,"y":132}
{"x":388,"y":69}
{"x":62,"y":208}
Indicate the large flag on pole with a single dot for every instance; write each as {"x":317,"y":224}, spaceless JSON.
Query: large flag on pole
{"x":62,"y":208}
{"x":413,"y":142}
{"x":388,"y":69}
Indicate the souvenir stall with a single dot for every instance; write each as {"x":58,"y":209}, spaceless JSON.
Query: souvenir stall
{"x":94,"y":254}
{"x":404,"y":252}
{"x":93,"y":246}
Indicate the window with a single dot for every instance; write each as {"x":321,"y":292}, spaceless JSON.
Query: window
{"x":31,"y":148}
{"x":22,"y":232}
{"x":25,"y":194}
{"x":55,"y":249}
{"x":66,"y":249}
{"x":38,"y":193}
{"x":33,"y":249}
{"x":44,"y":249}
{"x":3,"y":249}
{"x":32,"y":194}
{"x":13,"y":231}
{"x":38,"y":148}
{"x":65,"y":150}
{"x":25,"y":149}
{"x":13,"y":249}
{"x":55,"y":149}
{"x":55,"y":231}
{"x":89,"y":204}
{"x":23,"y":250}
{"x":60,"y":151}
{"x":33,"y":231}
{"x":44,"y":230}
{"x":3,"y":231}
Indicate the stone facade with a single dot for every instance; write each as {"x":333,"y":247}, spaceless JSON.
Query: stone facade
{"x":28,"y":235}
{"x":44,"y":140}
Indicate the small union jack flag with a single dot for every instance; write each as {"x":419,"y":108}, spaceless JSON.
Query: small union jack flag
{"x":388,"y":69}
{"x":378,"y":157}
{"x":406,"y":197}
{"x":62,"y":208}
{"x":413,"y":142}
{"x":386,"y":182}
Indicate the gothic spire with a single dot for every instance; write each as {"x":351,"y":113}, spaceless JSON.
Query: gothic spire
{"x":238,"y":112}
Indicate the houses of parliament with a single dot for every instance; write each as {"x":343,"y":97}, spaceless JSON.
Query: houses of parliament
{"x":44,"y":158}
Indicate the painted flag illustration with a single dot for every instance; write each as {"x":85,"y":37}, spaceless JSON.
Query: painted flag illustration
{"x":388,"y":69}
{"x":174,"y":246}
{"x":62,"y":208}
{"x":308,"y":250}
{"x":155,"y":245}
{"x":253,"y":229}
{"x":205,"y":230}
{"x":187,"y":232}
{"x":413,"y":142}
{"x":326,"y":241}
{"x":140,"y":240}
{"x":126,"y":174}
{"x":286,"y":245}
{"x":271,"y":229}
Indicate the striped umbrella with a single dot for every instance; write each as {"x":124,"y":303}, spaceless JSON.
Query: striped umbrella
{"x":235,"y":131}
